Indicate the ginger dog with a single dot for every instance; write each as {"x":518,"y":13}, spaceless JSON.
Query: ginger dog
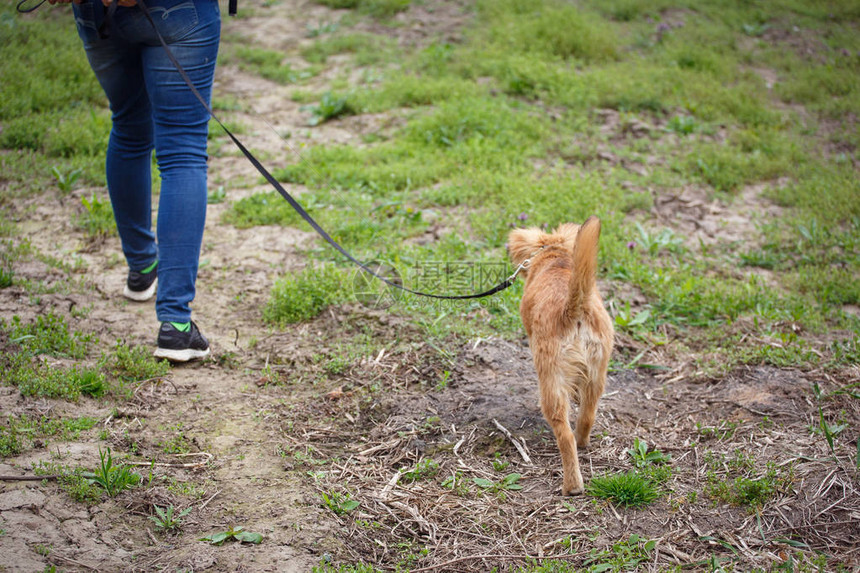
{"x":570,"y":333}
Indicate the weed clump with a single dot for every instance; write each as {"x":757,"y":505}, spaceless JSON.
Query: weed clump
{"x":628,"y":489}
{"x":135,"y":363}
{"x":304,"y":295}
{"x":111,"y":477}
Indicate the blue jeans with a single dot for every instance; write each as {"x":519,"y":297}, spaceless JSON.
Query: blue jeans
{"x":152,"y":106}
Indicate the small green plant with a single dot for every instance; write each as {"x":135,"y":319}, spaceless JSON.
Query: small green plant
{"x":629,"y":489}
{"x":7,"y":275}
{"x":91,"y":383}
{"x":499,"y":464}
{"x":443,"y":380}
{"x":269,"y":64}
{"x":642,"y":457}
{"x":507,"y":483}
{"x":134,"y":363}
{"x":325,"y":566}
{"x":654,"y":243}
{"x":322,"y":28}
{"x":624,"y":555}
{"x":66,"y":179}
{"x":857,"y":463}
{"x":304,"y":295}
{"x":682,"y":124}
{"x":337,"y":364}
{"x":330,"y":107}
{"x":167,"y":519}
{"x":425,"y":469}
{"x":72,"y":481}
{"x":19,"y":433}
{"x":376,"y":8}
{"x":755,"y":30}
{"x":748,"y":490}
{"x":113,"y":479}
{"x":11,"y":441}
{"x":217,"y":196}
{"x":724,"y":430}
{"x":340,"y":503}
{"x":625,"y":318}
{"x":237,"y":533}
{"x":824,"y":427}
{"x":456,"y":483}
{"x":97,"y":219}
{"x":49,"y":333}
{"x":741,"y":491}
{"x":175,"y":442}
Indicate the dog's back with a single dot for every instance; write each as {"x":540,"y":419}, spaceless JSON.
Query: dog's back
{"x":589,"y":333}
{"x":570,"y":332}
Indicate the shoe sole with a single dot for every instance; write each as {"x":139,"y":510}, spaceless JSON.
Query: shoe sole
{"x":142,"y":295}
{"x":180,"y":355}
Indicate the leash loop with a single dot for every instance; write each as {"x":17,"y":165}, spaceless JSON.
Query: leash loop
{"x":22,"y":10}
{"x":523,"y":265}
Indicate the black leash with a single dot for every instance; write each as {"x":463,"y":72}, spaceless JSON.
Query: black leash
{"x":24,"y":10}
{"x":295,"y":204}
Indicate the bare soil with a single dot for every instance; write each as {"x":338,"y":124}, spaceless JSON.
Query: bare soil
{"x":275,"y":421}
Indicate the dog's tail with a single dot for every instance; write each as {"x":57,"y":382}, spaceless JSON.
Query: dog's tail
{"x":583,"y":279}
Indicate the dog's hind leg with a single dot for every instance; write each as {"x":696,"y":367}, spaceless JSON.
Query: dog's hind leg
{"x":555,"y":406}
{"x":590,"y":389}
{"x":589,"y":395}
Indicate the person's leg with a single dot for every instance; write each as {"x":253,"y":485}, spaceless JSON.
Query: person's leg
{"x":118,"y":68}
{"x":181,"y":130}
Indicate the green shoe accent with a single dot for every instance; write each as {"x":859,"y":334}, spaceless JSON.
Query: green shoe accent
{"x":150,"y":268}
{"x":181,"y":326}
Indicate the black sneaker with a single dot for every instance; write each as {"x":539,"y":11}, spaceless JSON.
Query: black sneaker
{"x":140,"y":285}
{"x":179,"y":346}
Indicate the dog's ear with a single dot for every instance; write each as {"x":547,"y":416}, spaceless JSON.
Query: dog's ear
{"x":522,"y":243}
{"x":568,"y":232}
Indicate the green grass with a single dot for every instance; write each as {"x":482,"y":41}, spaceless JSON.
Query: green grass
{"x":551,"y":29}
{"x":72,"y":481}
{"x":269,"y":64}
{"x":376,"y":8}
{"x":51,"y":102}
{"x":748,"y":491}
{"x":112,"y":478}
{"x":134,"y":363}
{"x":325,"y":567}
{"x":21,"y":433}
{"x":303,"y":295}
{"x":33,"y":377}
{"x":48,"y":333}
{"x":97,"y":219}
{"x":331,"y":106}
{"x":366,"y":49}
{"x":629,"y":489}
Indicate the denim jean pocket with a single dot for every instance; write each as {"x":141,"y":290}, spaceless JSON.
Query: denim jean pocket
{"x":173,"y":18}
{"x":85,"y":20}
